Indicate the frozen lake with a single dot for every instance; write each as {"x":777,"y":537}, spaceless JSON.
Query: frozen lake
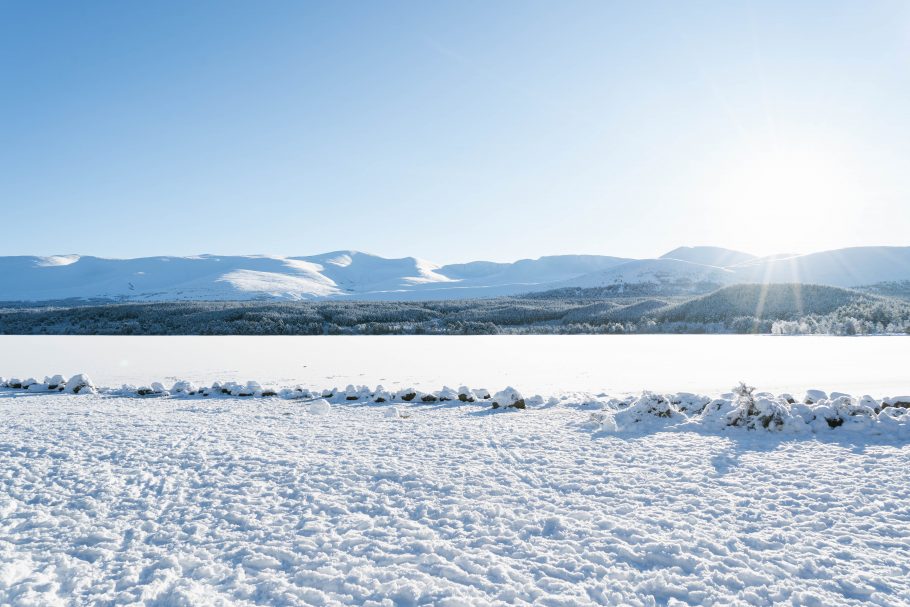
{"x":534,"y":364}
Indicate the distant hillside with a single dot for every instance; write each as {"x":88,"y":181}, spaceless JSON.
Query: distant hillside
{"x":899,"y":289}
{"x":786,"y":309}
{"x":850,"y":267}
{"x":776,"y":302}
{"x":352,"y":275}
{"x":710,"y":256}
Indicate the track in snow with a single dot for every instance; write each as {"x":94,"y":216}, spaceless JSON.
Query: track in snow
{"x":171,"y":502}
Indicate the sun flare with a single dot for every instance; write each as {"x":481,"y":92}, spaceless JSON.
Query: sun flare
{"x":776,"y":191}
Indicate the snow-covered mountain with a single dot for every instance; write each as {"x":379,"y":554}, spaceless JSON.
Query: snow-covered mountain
{"x":351,"y":274}
{"x":841,"y":268}
{"x":660,"y":271}
{"x":709,"y":256}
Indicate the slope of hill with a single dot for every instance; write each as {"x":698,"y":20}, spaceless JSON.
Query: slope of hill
{"x":348,"y":274}
{"x":158,"y":278}
{"x":848,"y":267}
{"x":673,"y":275}
{"x":777,"y":301}
{"x":710,"y":256}
{"x":354,"y":275}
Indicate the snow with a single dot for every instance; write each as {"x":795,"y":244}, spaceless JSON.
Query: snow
{"x":510,"y":398}
{"x":853,"y":266}
{"x":185,"y":499}
{"x":654,"y":271}
{"x":357,"y":275}
{"x":320,"y":407}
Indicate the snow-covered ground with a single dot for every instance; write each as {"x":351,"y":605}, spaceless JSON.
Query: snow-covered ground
{"x":184,"y":499}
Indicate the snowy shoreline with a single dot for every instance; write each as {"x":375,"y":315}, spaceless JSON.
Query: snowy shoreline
{"x":815,"y":412}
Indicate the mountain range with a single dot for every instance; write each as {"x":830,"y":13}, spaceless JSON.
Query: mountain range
{"x":362,"y":276}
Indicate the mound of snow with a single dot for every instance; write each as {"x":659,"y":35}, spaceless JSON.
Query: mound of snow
{"x":80,"y":384}
{"x":510,"y":397}
{"x":319,"y":407}
{"x":756,"y":412}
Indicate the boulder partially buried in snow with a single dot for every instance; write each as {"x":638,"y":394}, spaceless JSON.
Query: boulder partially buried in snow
{"x":902,"y":402}
{"x":80,"y":384}
{"x":510,"y":397}
{"x":183,"y":388}
{"x":55,"y":383}
{"x":813,"y":396}
{"x":408,"y":394}
{"x":465,"y":394}
{"x":156,"y":389}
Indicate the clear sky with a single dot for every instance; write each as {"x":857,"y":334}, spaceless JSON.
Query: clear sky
{"x":452,"y":130}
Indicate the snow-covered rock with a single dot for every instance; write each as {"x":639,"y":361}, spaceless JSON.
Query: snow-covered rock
{"x":902,"y":402}
{"x":813,"y":396}
{"x":465,"y":394}
{"x":80,"y":384}
{"x":183,"y":388}
{"x":55,"y":383}
{"x":509,"y":398}
{"x":407,"y":395}
{"x":155,"y":389}
{"x":295,"y":393}
{"x":381,"y":395}
{"x":447,"y":393}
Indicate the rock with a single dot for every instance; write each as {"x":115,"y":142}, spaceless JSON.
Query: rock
{"x":252,"y":388}
{"x":813,"y":396}
{"x":183,"y":387}
{"x":901,"y":402}
{"x":510,"y":397}
{"x":465,"y":394}
{"x":80,"y":384}
{"x":55,"y":383}
{"x":447,"y":394}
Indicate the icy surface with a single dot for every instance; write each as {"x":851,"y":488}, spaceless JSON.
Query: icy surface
{"x":540,"y":364}
{"x":180,"y":499}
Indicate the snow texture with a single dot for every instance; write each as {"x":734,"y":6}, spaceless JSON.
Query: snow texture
{"x":240,"y":497}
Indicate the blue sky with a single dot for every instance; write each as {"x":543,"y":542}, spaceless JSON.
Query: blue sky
{"x":452,"y":131}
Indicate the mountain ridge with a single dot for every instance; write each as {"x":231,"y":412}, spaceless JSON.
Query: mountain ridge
{"x":357,"y":275}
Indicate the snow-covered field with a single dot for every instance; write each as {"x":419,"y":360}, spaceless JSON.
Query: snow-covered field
{"x":161,"y":492}
{"x":185,"y":499}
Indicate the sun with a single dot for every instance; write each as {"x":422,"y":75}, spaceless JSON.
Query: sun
{"x":784,"y":197}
